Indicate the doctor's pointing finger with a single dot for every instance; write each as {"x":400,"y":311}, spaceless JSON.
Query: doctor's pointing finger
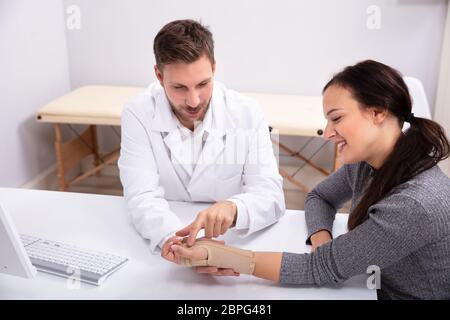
{"x":215,"y":221}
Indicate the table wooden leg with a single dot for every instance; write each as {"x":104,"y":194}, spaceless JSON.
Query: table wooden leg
{"x":70,"y":153}
{"x":292,"y":153}
{"x":59,"y":158}
{"x":294,"y":181}
{"x":108,"y":159}
{"x":97,"y":160}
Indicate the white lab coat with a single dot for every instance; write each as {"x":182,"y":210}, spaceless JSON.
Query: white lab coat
{"x":237,"y":164}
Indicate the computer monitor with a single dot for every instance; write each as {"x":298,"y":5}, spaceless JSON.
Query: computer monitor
{"x":13,"y":257}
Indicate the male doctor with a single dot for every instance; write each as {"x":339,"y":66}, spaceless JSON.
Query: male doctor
{"x":188,"y":138}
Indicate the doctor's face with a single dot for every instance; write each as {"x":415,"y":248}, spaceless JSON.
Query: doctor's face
{"x":188,"y":88}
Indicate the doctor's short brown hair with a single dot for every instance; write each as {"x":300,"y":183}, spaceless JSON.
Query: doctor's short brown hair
{"x":183,"y":41}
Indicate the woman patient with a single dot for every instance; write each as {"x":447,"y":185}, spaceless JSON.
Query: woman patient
{"x":400,"y":213}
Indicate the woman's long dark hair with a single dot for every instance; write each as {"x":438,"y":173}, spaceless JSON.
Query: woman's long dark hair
{"x":419,"y":148}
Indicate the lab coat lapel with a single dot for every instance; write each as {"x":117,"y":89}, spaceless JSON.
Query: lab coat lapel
{"x":221,"y":123}
{"x":179,"y":154}
{"x":212,"y":150}
{"x":163,"y":121}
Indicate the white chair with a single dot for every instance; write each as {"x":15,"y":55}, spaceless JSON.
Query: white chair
{"x":420,"y":106}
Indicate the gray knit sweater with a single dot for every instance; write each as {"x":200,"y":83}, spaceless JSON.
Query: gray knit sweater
{"x":407,"y":234}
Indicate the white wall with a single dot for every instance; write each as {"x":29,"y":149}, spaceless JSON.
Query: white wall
{"x":283,"y":46}
{"x":33,"y":70}
{"x":442,"y":110}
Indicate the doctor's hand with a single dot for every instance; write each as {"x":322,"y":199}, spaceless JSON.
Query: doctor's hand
{"x":216,"y":220}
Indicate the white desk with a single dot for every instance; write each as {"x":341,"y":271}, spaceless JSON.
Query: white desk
{"x":101,"y":222}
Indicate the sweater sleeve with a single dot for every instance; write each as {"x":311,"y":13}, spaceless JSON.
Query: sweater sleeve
{"x":394,"y":229}
{"x":325,"y":199}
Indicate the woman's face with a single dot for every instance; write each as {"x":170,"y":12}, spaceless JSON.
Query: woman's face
{"x":349,"y":126}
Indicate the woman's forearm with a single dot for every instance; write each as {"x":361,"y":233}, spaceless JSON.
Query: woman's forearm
{"x":268,"y":265}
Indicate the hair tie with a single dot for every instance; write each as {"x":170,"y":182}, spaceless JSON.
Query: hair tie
{"x":410,"y":118}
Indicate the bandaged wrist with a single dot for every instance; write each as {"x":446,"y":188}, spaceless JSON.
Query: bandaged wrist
{"x":222,"y":256}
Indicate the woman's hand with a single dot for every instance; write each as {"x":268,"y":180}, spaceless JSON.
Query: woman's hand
{"x":193,"y":253}
{"x":167,"y":252}
{"x":218,"y":271}
{"x":319,"y":238}
{"x":198,"y":253}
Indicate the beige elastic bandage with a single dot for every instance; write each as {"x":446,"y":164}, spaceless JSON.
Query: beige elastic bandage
{"x":222,"y":256}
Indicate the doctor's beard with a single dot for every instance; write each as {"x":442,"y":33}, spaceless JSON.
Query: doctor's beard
{"x":188,"y":114}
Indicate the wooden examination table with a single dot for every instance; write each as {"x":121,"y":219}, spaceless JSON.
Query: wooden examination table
{"x":102,"y":105}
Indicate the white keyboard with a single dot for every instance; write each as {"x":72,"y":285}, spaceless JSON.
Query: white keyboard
{"x":70,"y":261}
